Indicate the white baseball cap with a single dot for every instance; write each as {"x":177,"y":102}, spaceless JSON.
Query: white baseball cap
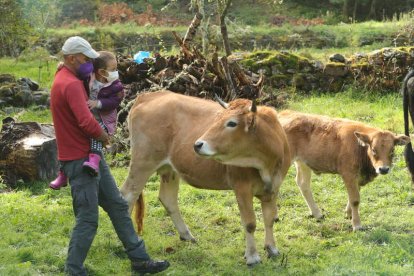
{"x":78,"y":45}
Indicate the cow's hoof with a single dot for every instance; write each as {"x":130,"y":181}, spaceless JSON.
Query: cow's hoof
{"x":272,"y":251}
{"x":319,"y":217}
{"x":253,"y":259}
{"x":358,"y":228}
{"x":188,"y":237}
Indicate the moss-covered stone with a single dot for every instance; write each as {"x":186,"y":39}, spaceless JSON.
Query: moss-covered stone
{"x":336,"y":69}
{"x":274,"y":62}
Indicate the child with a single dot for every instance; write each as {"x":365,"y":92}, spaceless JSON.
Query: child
{"x":105,"y":95}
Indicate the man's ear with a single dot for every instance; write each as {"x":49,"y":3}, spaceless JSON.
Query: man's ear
{"x":363,"y":139}
{"x":401,"y":140}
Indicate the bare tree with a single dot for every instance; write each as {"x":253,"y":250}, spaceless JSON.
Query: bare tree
{"x":223,"y":6}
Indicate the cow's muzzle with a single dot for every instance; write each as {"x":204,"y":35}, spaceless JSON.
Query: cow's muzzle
{"x":198,"y":145}
{"x":203,"y":148}
{"x":383,"y":170}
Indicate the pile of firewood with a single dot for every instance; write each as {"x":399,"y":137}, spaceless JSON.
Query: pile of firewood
{"x":189,"y":73}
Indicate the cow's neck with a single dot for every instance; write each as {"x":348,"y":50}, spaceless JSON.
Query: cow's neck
{"x":367,"y":171}
{"x":268,"y":177}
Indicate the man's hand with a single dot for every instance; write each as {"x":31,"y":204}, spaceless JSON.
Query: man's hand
{"x":104,"y":138}
{"x":92,"y":104}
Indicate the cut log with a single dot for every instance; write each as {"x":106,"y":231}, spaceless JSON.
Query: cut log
{"x":27,"y":151}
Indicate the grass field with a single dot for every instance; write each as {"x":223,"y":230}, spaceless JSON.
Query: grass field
{"x":36,"y":222}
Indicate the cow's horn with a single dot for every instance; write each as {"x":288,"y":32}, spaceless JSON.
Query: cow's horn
{"x":259,"y":83}
{"x":221,"y":102}
{"x":253,"y":108}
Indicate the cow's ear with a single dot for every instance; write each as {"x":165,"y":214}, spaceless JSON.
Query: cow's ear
{"x":401,"y":140}
{"x":362,"y":138}
{"x":250,"y":122}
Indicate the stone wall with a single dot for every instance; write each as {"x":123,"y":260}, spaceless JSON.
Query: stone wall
{"x":380,"y":70}
{"x":21,"y":92}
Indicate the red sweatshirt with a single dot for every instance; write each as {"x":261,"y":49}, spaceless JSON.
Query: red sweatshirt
{"x":73,"y":121}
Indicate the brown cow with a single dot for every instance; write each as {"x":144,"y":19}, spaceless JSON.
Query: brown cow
{"x":355,"y":151}
{"x":163,"y":129}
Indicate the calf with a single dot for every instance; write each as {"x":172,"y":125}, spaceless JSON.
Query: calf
{"x":355,"y":151}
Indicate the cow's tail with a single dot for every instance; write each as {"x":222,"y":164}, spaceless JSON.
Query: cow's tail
{"x":407,"y":101}
{"x":139,"y":213}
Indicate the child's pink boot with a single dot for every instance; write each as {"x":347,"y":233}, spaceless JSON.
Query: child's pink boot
{"x":92,"y":165}
{"x":60,"y":181}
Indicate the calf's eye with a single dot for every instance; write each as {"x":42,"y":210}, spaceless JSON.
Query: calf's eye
{"x":231,"y":124}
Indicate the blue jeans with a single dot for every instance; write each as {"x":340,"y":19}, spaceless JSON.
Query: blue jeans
{"x":87,"y":193}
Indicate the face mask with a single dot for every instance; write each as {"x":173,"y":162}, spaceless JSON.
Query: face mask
{"x":112,"y":76}
{"x":85,"y":70}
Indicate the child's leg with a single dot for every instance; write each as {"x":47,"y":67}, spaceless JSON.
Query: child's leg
{"x":92,"y":165}
{"x":60,"y":181}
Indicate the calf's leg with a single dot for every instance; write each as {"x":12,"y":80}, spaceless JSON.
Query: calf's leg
{"x":140,"y":169}
{"x":244,"y":198}
{"x":269,"y":210}
{"x":168,"y":196}
{"x":303,"y":179}
{"x":353,"y":200}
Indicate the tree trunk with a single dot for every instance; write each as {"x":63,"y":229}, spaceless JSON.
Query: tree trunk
{"x":223,"y":28}
{"x":192,"y":29}
{"x":204,"y":28}
{"x":345,"y":10}
{"x":354,"y":14}
{"x":372,"y":12}
{"x":27,"y":151}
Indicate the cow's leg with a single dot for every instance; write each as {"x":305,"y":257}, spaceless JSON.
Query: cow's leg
{"x":269,"y":210}
{"x":168,"y":196}
{"x":303,"y":179}
{"x":140,"y":169}
{"x":353,"y":200}
{"x":348,"y":211}
{"x":245,"y":202}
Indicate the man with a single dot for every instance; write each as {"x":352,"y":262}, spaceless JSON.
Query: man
{"x":74,"y":126}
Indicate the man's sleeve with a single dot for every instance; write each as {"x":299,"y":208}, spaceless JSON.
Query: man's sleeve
{"x":77,"y":101}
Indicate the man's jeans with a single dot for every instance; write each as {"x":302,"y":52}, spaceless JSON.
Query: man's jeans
{"x":87,"y":192}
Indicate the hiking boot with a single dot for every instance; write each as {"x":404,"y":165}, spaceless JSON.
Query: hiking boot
{"x":92,"y":165}
{"x":149,"y":266}
{"x":60,"y":181}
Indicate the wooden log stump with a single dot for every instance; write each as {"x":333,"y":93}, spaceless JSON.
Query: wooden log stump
{"x":27,"y":151}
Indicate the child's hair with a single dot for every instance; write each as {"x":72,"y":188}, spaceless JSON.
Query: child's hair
{"x":101,"y":61}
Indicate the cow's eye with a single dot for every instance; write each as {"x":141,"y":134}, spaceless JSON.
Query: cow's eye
{"x":374,"y":152}
{"x":231,"y":124}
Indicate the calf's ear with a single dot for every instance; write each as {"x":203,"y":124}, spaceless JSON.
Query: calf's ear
{"x":401,"y":140}
{"x":362,"y":138}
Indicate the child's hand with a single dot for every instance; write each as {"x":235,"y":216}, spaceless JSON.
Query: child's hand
{"x":92,"y":104}
{"x":60,"y":65}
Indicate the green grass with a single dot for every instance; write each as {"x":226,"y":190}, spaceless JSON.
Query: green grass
{"x":41,"y":70}
{"x":36,"y":222}
{"x":117,"y":28}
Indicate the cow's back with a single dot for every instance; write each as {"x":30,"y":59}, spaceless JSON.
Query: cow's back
{"x":323,"y":143}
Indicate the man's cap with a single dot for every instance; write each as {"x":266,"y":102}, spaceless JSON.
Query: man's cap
{"x":78,"y":45}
